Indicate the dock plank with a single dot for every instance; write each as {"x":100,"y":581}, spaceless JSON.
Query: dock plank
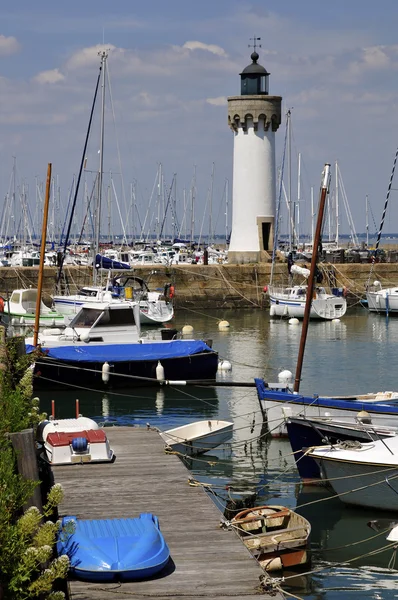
{"x":207,"y":561}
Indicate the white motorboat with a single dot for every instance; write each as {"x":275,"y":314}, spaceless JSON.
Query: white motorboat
{"x":96,"y":323}
{"x":362,"y":474}
{"x":20,"y":309}
{"x":72,"y":441}
{"x":382,"y":300}
{"x":103,"y":347}
{"x":155,"y":307}
{"x":198,"y":437}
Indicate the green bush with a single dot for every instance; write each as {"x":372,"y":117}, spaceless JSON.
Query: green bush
{"x":28,"y":566}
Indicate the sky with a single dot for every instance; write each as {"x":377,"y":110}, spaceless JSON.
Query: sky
{"x":171,"y":65}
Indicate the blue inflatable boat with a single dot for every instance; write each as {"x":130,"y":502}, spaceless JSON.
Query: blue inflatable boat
{"x":113,"y":549}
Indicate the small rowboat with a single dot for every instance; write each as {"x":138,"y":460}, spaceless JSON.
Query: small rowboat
{"x":275,"y":535}
{"x":198,"y":437}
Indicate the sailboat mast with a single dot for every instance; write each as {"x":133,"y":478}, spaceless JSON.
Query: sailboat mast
{"x":226,"y":213}
{"x":289,"y":182}
{"x":103,"y":55}
{"x":367,"y":220}
{"x":210,"y":239}
{"x":298,"y":199}
{"x":42,"y":255}
{"x":337,"y":205}
{"x":310,"y":285}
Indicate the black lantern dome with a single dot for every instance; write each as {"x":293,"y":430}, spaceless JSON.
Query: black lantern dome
{"x":254,"y":79}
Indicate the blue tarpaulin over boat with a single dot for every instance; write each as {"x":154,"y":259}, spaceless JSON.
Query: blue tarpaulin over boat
{"x":108,"y":263}
{"x":113,"y":549}
{"x":125,"y":352}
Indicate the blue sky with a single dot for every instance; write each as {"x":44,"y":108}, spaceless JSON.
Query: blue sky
{"x":172,"y":66}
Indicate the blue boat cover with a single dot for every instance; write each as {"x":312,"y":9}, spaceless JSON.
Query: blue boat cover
{"x":113,"y":549}
{"x":125,"y":352}
{"x":109,"y":263}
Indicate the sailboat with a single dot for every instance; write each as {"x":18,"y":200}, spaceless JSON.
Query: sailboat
{"x":289,"y":301}
{"x":154,"y":309}
{"x":379,"y":299}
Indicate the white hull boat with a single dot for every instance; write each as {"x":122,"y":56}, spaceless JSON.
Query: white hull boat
{"x":198,"y":437}
{"x":153,"y":310}
{"x":73,"y":441}
{"x":289,"y":302}
{"x":362,"y":474}
{"x":21,"y":310}
{"x":278,"y":404}
{"x":384,"y":300}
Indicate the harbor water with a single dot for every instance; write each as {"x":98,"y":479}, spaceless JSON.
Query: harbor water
{"x":356,"y":355}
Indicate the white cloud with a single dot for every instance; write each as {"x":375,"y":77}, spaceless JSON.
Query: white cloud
{"x":219,"y":101}
{"x":87,"y":57}
{"x":8,"y":45}
{"x":52,"y":76}
{"x":194,"y":45}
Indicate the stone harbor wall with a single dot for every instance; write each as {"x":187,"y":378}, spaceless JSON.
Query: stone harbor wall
{"x":210,"y":286}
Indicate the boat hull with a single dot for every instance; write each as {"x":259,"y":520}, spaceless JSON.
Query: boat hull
{"x":382,"y":301}
{"x":361,"y":484}
{"x":278,"y":406}
{"x":197,"y":438}
{"x":51,"y":373}
{"x":305,"y":434}
{"x":291,"y":305}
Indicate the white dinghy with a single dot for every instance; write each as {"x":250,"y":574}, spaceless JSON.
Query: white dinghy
{"x":198,"y":437}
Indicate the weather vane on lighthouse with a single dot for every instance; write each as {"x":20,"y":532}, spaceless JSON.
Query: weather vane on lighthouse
{"x":254,"y":45}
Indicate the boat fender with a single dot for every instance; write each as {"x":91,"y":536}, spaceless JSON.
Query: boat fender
{"x":160,"y":371}
{"x":105,"y":372}
{"x":79,"y":444}
{"x":224,"y":365}
{"x":1,"y":304}
{"x":345,"y":292}
{"x":171,"y":292}
{"x":265,"y":289}
{"x":364,"y":417}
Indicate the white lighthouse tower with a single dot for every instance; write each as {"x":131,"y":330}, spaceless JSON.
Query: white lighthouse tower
{"x":254,"y":117}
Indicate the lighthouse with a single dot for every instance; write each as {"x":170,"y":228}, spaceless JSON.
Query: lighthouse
{"x":254,"y":118}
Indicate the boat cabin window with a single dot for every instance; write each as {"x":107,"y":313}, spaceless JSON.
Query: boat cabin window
{"x":86,"y":317}
{"x":121,"y":316}
{"x":87,"y":292}
{"x":15,"y":297}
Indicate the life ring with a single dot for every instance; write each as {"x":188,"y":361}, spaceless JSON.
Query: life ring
{"x":171,"y":292}
{"x":1,"y":304}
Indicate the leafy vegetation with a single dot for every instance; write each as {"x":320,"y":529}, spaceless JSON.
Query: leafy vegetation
{"x":28,"y":568}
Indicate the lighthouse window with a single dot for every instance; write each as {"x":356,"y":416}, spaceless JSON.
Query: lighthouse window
{"x":263,"y":86}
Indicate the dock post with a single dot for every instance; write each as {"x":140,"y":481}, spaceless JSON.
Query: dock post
{"x":23,"y":443}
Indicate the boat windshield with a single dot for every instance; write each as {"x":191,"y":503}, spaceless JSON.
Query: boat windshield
{"x":87,"y":292}
{"x":86,"y":317}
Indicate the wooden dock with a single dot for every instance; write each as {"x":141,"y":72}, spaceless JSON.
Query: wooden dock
{"x":206,"y":561}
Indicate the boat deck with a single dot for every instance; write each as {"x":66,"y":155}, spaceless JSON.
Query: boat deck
{"x":206,"y":561}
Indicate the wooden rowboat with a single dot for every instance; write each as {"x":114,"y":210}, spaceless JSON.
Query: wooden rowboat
{"x":275,"y":535}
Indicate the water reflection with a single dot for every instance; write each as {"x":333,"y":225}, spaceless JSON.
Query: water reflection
{"x":129,"y":407}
